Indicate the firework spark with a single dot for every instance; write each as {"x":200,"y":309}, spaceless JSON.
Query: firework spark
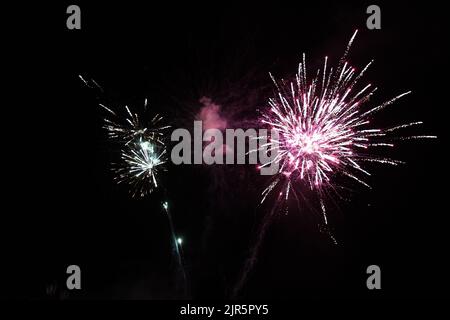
{"x":144,"y":153}
{"x":141,"y":162}
{"x":324,"y":129}
{"x":128,"y":128}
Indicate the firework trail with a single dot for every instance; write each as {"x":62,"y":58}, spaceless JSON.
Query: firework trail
{"x":251,"y":260}
{"x":177,"y":249}
{"x":323,"y":131}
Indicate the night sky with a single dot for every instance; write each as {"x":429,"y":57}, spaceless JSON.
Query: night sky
{"x":68,"y":210}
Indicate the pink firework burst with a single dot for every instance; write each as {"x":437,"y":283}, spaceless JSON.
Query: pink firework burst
{"x":324,"y":128}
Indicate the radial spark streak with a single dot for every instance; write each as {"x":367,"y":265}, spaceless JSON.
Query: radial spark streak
{"x":324,"y":128}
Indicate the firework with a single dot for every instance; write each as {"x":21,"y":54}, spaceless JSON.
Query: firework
{"x":130,"y":127}
{"x":143,"y":153}
{"x":142,"y":161}
{"x":324,"y":129}
{"x":143,"y":158}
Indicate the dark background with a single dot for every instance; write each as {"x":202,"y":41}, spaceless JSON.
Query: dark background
{"x":67,"y":210}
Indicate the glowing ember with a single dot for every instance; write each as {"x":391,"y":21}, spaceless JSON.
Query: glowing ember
{"x":323,"y":128}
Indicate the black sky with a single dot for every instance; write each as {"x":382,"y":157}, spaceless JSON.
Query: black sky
{"x":69,"y":211}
